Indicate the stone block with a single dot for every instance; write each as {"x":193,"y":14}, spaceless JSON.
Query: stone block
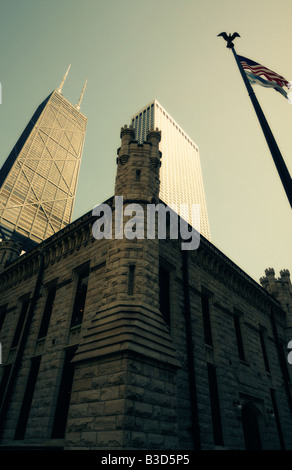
{"x":88,"y":439}
{"x":109,"y":439}
{"x":109,"y":393}
{"x":114,"y":407}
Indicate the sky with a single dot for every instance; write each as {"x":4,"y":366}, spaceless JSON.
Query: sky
{"x":133,"y":51}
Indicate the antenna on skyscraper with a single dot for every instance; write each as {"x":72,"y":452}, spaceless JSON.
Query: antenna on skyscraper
{"x":81,"y":96}
{"x":63,"y":81}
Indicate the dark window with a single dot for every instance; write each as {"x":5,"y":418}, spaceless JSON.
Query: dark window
{"x":62,"y":408}
{"x":164,"y":294}
{"x":4,"y":381}
{"x":131,"y":279}
{"x":215,"y":405}
{"x":80,"y":298}
{"x":27,"y":399}
{"x":250,"y":427}
{"x":283,"y":361}
{"x":277,"y":418}
{"x":47,"y":312}
{"x":3,"y":310}
{"x":23,"y":312}
{"x":239,"y":337}
{"x":206,"y":320}
{"x":265,"y":356}
{"x":138,"y":174}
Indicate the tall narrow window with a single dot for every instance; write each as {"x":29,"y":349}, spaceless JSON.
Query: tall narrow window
{"x":4,"y":381}
{"x":207,"y":320}
{"x":239,"y":337}
{"x":131,"y":279}
{"x":277,"y":418}
{"x":80,"y":298}
{"x":3,"y":310}
{"x":164,"y":294}
{"x":27,"y":399}
{"x":62,"y":408}
{"x":23,"y":312}
{"x":215,"y":405}
{"x":264,"y":351}
{"x":47,"y":312}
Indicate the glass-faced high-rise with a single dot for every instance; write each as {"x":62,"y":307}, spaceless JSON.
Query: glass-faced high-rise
{"x":39,"y":178}
{"x":181,"y":180}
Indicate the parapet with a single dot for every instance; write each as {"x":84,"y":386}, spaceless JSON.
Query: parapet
{"x":127,"y":131}
{"x":280,"y":288}
{"x":10,"y":250}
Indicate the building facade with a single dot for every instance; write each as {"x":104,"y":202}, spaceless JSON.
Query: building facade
{"x":133,"y":343}
{"x":181,"y":180}
{"x":38,"y":180}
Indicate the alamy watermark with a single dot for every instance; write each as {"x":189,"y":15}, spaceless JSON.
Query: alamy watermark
{"x":135,"y":226}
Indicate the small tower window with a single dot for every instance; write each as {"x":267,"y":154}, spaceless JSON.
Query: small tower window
{"x":138,"y":174}
{"x":164,"y":294}
{"x":131,"y":279}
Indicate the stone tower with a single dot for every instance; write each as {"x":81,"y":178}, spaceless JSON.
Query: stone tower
{"x":9,"y":251}
{"x":125,"y":365}
{"x":281,"y":289}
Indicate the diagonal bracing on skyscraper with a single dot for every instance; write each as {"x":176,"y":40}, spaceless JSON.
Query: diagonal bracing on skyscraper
{"x":38,"y":180}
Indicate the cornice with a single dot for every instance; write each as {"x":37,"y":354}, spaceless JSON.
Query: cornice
{"x":225,"y":271}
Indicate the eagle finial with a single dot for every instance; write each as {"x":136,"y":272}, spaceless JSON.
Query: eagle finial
{"x":229,"y":38}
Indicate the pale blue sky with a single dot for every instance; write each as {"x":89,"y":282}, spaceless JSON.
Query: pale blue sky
{"x":132,"y":51}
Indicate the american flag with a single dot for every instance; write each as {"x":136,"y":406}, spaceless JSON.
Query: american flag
{"x":258,"y":69}
{"x":258,"y":74}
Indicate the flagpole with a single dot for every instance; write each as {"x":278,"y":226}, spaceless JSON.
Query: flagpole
{"x":274,"y":149}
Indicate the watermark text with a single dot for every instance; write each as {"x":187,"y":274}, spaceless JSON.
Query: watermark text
{"x":156,"y":222}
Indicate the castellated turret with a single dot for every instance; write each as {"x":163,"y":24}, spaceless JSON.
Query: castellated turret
{"x":138,"y":167}
{"x":132,"y":265}
{"x":128,"y":330}
{"x":281,"y":289}
{"x":9,"y":251}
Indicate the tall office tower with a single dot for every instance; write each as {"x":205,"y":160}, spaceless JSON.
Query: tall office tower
{"x":181,"y":180}
{"x":39,"y":178}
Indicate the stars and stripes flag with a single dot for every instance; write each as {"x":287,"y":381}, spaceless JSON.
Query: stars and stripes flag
{"x":260,"y":75}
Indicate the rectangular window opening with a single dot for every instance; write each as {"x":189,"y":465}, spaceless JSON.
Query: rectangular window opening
{"x":131,"y":279}
{"x":47,"y":312}
{"x":239,"y":338}
{"x":207,"y":320}
{"x":21,"y":320}
{"x":27,"y":399}
{"x":62,"y":408}
{"x":277,"y":418}
{"x":264,"y":351}
{"x":215,"y":405}
{"x":80,"y":298}
{"x":3,"y":310}
{"x":164,"y":294}
{"x":4,"y":381}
